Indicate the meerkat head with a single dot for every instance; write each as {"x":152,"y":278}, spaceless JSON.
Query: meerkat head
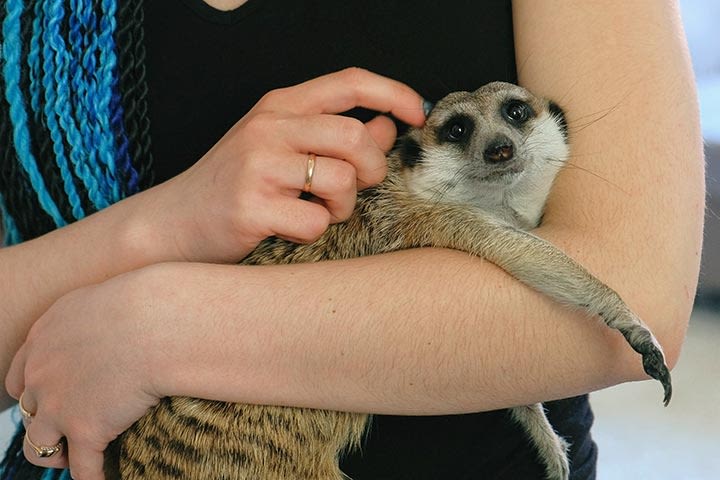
{"x":485,"y":146}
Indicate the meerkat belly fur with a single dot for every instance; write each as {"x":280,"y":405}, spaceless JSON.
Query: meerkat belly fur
{"x":474,"y":178}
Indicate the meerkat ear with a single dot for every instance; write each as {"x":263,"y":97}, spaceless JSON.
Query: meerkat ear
{"x":409,"y":151}
{"x":558,"y":113}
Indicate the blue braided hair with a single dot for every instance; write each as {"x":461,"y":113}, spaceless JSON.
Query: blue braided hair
{"x":74,"y":132}
{"x":73,"y":111}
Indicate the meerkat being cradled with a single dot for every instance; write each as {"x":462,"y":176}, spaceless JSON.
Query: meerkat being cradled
{"x":474,"y":178}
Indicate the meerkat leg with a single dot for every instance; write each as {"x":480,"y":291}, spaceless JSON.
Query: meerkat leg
{"x":538,"y":264}
{"x":551,"y":448}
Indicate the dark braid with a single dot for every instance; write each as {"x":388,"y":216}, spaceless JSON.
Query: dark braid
{"x":133,"y":88}
{"x":74,"y":129}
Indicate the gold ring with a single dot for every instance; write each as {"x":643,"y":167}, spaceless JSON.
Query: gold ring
{"x":309,"y":172}
{"x":26,"y":415}
{"x":43,"y":451}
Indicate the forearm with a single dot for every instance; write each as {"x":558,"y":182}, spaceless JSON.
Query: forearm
{"x":630,"y":204}
{"x":34,"y":274}
{"x":432,"y":331}
{"x":414,"y":332}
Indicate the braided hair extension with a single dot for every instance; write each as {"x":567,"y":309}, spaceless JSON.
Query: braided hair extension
{"x":74,"y":129}
{"x":17,"y":130}
{"x":74,"y":132}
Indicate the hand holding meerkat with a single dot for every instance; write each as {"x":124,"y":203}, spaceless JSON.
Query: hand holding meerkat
{"x":474,"y":178}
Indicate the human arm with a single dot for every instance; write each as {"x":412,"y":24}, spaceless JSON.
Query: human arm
{"x":203,"y":214}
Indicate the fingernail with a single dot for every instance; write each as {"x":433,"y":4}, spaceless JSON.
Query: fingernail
{"x":427,"y":106}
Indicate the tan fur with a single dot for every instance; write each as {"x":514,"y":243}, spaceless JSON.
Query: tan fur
{"x":196,"y":439}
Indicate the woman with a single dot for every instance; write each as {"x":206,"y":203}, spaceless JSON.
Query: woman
{"x":135,"y":302}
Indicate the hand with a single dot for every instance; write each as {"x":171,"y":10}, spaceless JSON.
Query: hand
{"x":247,"y":187}
{"x":84,"y":373}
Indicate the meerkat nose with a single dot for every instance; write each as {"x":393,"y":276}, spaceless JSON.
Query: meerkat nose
{"x":499,"y":150}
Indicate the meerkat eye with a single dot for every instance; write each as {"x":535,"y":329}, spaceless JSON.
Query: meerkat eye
{"x":517,"y":111}
{"x":456,"y":132}
{"x":457,"y":129}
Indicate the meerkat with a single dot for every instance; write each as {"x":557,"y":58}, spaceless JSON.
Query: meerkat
{"x":475,"y":178}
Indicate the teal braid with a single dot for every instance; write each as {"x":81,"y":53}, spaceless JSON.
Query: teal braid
{"x":57,"y":109}
{"x":34,"y":60}
{"x":12,"y":49}
{"x":11,"y":235}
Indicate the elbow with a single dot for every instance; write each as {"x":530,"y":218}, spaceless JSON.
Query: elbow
{"x":671,"y":334}
{"x":668,"y":319}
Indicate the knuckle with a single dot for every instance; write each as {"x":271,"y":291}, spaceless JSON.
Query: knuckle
{"x":377,"y":172}
{"x":353,"y":132}
{"x":50,"y":407}
{"x":320,"y":227}
{"x":345,"y":211}
{"x":260,"y":123}
{"x":272,"y":99}
{"x":79,"y":432}
{"x":13,"y":387}
{"x":316,"y":224}
{"x":345,"y":177}
{"x":355,"y":75}
{"x":257,"y":180}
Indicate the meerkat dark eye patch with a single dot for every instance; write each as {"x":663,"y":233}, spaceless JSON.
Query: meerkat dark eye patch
{"x":517,"y":112}
{"x":410,"y":151}
{"x":457,"y":129}
{"x":559,"y":116}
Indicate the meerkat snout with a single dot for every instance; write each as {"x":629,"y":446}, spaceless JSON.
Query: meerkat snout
{"x":499,"y":150}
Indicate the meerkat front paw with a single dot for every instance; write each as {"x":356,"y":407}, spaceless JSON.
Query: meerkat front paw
{"x":644,"y":342}
{"x":654,"y":365}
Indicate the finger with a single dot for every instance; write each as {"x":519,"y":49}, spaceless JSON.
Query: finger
{"x":298,"y":221}
{"x":15,"y":379}
{"x":382,"y":130}
{"x":340,"y":137}
{"x":86,"y":463}
{"x":344,"y":90}
{"x":334,"y":183}
{"x":41,"y":436}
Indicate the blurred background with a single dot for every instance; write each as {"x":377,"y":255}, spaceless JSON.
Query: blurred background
{"x":638,"y":437}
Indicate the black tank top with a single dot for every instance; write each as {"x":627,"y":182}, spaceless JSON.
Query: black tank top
{"x":207,"y":68}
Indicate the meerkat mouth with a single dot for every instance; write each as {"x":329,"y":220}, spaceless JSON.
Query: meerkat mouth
{"x":504,"y":174}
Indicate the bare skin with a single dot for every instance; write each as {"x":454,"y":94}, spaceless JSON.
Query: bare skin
{"x":323,"y":335}
{"x":225,"y":5}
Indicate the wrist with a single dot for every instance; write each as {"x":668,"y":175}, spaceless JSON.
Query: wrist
{"x":145,"y":234}
{"x":174,"y":324}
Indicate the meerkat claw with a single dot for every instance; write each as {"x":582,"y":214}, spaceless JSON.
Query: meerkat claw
{"x":654,"y":365}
